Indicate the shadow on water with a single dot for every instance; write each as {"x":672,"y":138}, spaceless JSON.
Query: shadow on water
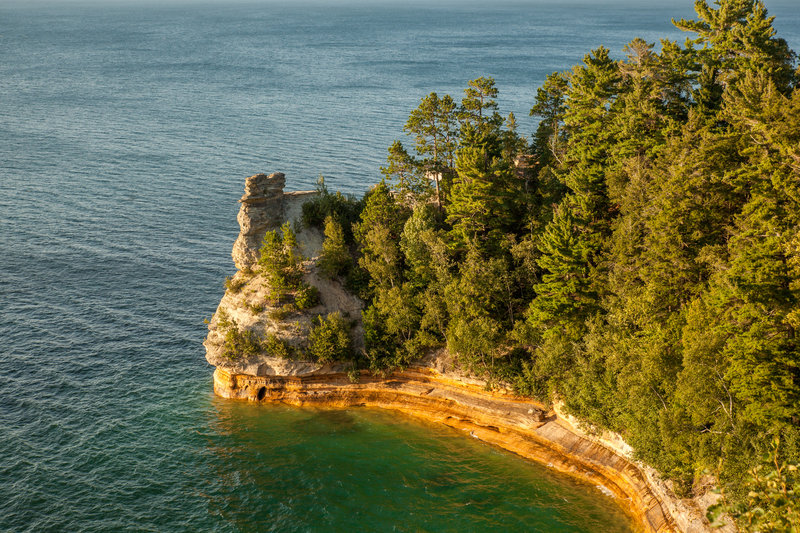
{"x":441,"y":482}
{"x":327,"y":423}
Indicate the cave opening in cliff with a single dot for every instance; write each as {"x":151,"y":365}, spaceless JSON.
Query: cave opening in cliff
{"x":261,"y":393}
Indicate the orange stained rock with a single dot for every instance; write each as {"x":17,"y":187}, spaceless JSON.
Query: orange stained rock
{"x":520,"y":426}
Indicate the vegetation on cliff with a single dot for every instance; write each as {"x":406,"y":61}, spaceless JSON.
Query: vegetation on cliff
{"x":640,"y":258}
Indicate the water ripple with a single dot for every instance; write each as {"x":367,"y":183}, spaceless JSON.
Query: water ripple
{"x":125,"y":133}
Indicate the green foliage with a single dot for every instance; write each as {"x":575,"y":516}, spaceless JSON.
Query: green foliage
{"x":474,"y":340}
{"x":486,"y":201}
{"x":406,"y":315}
{"x":282,"y":265}
{"x":738,"y":37}
{"x":398,"y":326}
{"x":643,"y":264}
{"x":478,"y":107}
{"x":280,"y":261}
{"x":280,"y":313}
{"x":480,"y":305}
{"x":381,"y":257}
{"x":406,"y":172}
{"x":238,"y":343}
{"x":344,"y":209}
{"x":773,"y":493}
{"x":241,"y":343}
{"x":306,"y":297}
{"x":381,"y":209}
{"x":335,"y":259}
{"x":550,"y":137}
{"x":419,"y":235}
{"x":234,"y":285}
{"x":277,"y":347}
{"x":255,"y":308}
{"x":378,"y":235}
{"x":380,"y":348}
{"x":566,"y":294}
{"x":433,"y":125}
{"x":384,"y":346}
{"x":329,"y":339}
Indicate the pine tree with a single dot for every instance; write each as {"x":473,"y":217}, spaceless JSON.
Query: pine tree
{"x":478,"y":303}
{"x":550,"y":137}
{"x":280,"y":261}
{"x":738,"y":37}
{"x":378,"y":236}
{"x":567,"y":295}
{"x":593,"y":88}
{"x":573,"y":241}
{"x":485,"y":195}
{"x":407,"y":173}
{"x":335,"y":259}
{"x":414,"y":243}
{"x":433,"y":124}
{"x":478,"y":107}
{"x":381,"y":209}
{"x":549,"y":149}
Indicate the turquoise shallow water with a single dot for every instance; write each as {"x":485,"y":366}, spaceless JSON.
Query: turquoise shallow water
{"x":126,"y":130}
{"x":374,"y":470}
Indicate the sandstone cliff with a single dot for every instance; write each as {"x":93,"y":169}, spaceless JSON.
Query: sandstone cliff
{"x":265,"y":207}
{"x":433,"y":389}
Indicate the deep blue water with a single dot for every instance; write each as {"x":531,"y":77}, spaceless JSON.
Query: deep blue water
{"x":126,"y":131}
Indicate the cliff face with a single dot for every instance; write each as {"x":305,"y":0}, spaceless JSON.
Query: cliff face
{"x":434,"y":389}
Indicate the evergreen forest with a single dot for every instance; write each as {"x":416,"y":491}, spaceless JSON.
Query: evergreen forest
{"x":637,"y":258}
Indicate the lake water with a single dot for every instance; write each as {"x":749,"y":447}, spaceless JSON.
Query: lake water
{"x":126,"y":132}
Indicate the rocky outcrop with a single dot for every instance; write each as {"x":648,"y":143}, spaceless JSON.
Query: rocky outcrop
{"x":246,"y":305}
{"x":434,"y":389}
{"x":262,"y":209}
{"x":247,"y":309}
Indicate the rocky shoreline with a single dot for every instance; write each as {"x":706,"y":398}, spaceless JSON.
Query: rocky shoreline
{"x":433,"y":389}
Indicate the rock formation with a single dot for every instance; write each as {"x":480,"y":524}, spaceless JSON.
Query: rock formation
{"x":433,"y":389}
{"x":245,"y":305}
{"x":262,"y":209}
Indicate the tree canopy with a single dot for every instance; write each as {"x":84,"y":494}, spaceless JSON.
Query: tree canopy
{"x":639,"y":259}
